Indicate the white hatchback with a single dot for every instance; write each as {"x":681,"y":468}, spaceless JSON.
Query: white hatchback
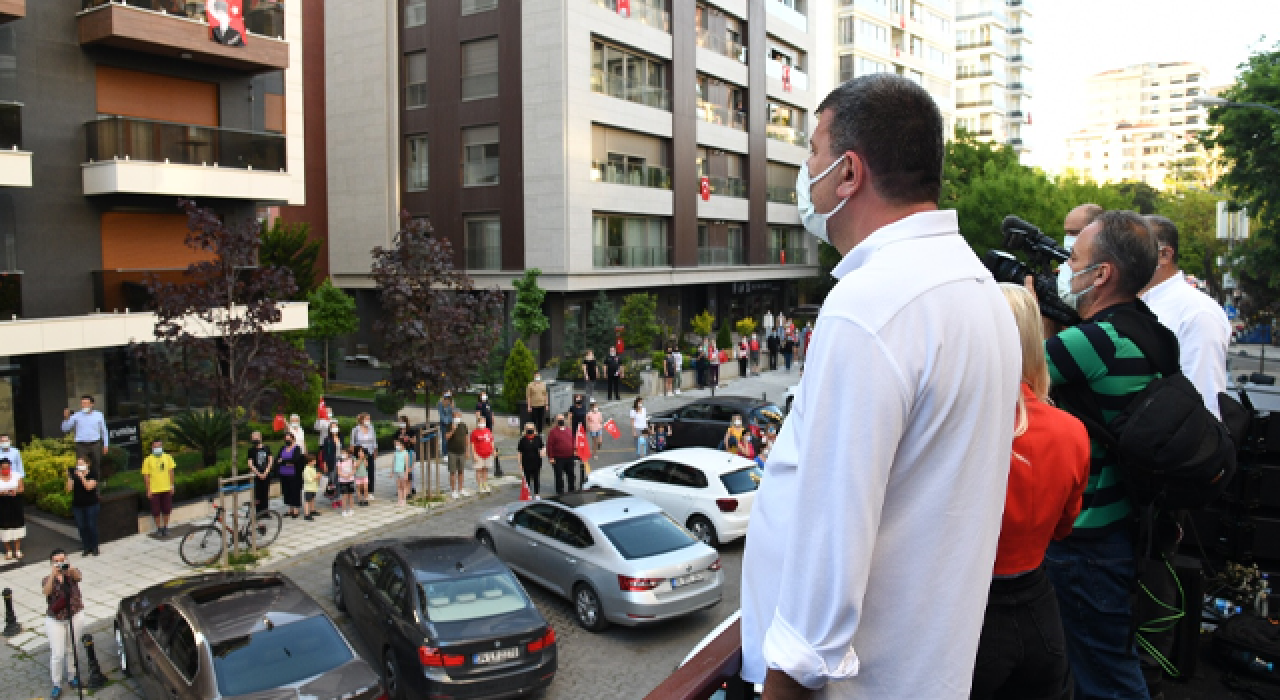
{"x":711,"y":492}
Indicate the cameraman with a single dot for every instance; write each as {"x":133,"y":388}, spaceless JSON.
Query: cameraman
{"x":61,"y":590}
{"x":1093,"y":569}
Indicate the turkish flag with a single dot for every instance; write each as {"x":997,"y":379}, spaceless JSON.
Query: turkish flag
{"x":226,"y":21}
{"x":624,"y":8}
{"x":786,"y":78}
{"x":612,"y":428}
{"x":321,"y":411}
{"x":278,"y":424}
{"x":704,"y":188}
{"x":782,"y":257}
{"x":580,"y":444}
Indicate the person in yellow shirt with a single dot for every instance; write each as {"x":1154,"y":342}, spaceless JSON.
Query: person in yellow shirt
{"x":310,"y":487}
{"x":157,"y":472}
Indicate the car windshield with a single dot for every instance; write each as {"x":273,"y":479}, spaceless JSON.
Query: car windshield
{"x":278,"y":655}
{"x":647,"y":536}
{"x":769,"y":413}
{"x":472,"y":598}
{"x":743,"y":480}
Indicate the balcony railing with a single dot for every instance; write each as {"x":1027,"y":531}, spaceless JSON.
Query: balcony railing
{"x":722,"y":115}
{"x":979,"y":103}
{"x":1018,"y":85}
{"x":630,"y":256}
{"x":261,"y":17}
{"x":996,"y":15}
{"x":789,"y":256}
{"x":10,"y":126}
{"x":125,"y":138}
{"x":727,"y":186}
{"x":126,"y":290}
{"x":484,"y":258}
{"x":1017,"y":58}
{"x":782,"y":194}
{"x":636,"y":175}
{"x":986,"y":44}
{"x":613,"y":86}
{"x":712,"y":671}
{"x":1023,"y":5}
{"x":786,"y":134}
{"x":652,"y":15}
{"x":485,"y":172}
{"x":722,"y":45}
{"x":799,"y":79}
{"x":475,"y":87}
{"x":708,"y":256}
{"x":1020,"y":33}
{"x":10,"y":294}
{"x":471,"y":7}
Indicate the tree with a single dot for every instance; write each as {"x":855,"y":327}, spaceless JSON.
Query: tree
{"x":517,"y":374}
{"x":290,"y":246}
{"x":601,"y":322}
{"x":702,"y":324}
{"x":638,"y":319}
{"x":436,"y":327}
{"x":220,"y":319}
{"x":332,"y":313}
{"x":1195,"y":212}
{"x":1248,"y":141}
{"x":527,"y":317}
{"x":723,"y":337}
{"x":745,"y":327}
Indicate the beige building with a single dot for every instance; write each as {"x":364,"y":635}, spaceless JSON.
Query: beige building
{"x":992,"y":71}
{"x":1140,"y":125}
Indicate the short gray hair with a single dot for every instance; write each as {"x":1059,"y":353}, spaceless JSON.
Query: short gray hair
{"x":1126,"y":242}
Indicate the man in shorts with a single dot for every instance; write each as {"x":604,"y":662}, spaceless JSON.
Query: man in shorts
{"x":157,"y":474}
{"x":457,"y":442}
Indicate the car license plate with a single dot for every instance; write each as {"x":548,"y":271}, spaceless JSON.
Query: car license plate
{"x":686,"y":580}
{"x":493,"y":657}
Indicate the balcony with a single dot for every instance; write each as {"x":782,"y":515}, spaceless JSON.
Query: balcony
{"x":177,"y":29}
{"x":786,"y":134}
{"x":652,"y":15}
{"x":630,"y":256}
{"x":1017,"y":59}
{"x":983,"y":74}
{"x":1020,"y":34}
{"x":481,"y":172}
{"x":783,"y":10}
{"x":996,"y":46}
{"x":997,"y":105}
{"x":10,"y":295}
{"x":711,"y":673}
{"x":722,"y":115}
{"x":635,"y":175}
{"x":711,"y":256}
{"x":775,"y":70}
{"x":140,"y":156}
{"x":782,"y":194}
{"x":623,"y":89}
{"x":788,"y":256}
{"x":1024,"y":6}
{"x":1016,"y":115}
{"x":722,"y":45}
{"x":11,"y":10}
{"x":116,"y":291}
{"x":15,"y":163}
{"x":1018,"y":86}
{"x":484,"y":257}
{"x":994,"y":15}
{"x":726,"y":186}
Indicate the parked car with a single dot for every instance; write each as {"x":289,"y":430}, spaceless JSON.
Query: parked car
{"x":617,"y":558}
{"x":708,"y":490}
{"x":703,"y":422}
{"x":445,"y":617}
{"x":789,"y":398}
{"x":237,"y":635}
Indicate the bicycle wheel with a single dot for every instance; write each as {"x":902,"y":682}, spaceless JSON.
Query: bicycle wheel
{"x":269,"y":524}
{"x":202,"y":546}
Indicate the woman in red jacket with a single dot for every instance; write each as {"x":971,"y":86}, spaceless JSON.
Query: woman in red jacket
{"x":1022,"y":653}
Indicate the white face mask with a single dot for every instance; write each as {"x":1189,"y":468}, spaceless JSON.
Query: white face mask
{"x":814,"y":222}
{"x":86,"y":409}
{"x":484,"y":398}
{"x":1065,"y":277}
{"x":4,"y":444}
{"x":157,"y":451}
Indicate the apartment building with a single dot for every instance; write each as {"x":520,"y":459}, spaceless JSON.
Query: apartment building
{"x":616,"y":145}
{"x":912,"y":38}
{"x":1140,"y":124}
{"x":993,"y":66}
{"x":109,"y":113}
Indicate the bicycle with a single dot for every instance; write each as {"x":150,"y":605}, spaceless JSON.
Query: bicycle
{"x":203,"y":545}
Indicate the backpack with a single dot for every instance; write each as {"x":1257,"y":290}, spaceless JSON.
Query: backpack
{"x":1173,"y":452}
{"x":1249,"y":644}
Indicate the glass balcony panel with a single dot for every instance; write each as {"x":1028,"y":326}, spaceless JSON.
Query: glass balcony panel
{"x":630,"y":256}
{"x":623,"y":89}
{"x":709,"y":256}
{"x":786,"y":134}
{"x":261,"y":17}
{"x":652,"y":14}
{"x":780,"y":194}
{"x":727,"y":186}
{"x":484,"y":258}
{"x":718,"y":43}
{"x":722,"y":115}
{"x":636,"y":175}
{"x":483,"y":172}
{"x":125,"y":138}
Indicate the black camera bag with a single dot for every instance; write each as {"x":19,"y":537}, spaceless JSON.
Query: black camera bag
{"x":1249,"y":643}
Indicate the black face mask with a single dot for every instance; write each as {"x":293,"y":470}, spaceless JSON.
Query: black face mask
{"x":560,"y":423}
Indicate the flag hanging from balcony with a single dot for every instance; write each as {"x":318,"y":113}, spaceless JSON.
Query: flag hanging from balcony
{"x":624,"y":8}
{"x":226,"y":21}
{"x":786,"y":77}
{"x":704,"y":188}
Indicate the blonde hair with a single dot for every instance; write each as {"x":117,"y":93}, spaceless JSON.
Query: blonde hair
{"x":1035,"y":368}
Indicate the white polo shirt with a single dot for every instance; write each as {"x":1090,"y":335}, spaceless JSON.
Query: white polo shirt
{"x":1203,"y":334}
{"x":873,"y":535}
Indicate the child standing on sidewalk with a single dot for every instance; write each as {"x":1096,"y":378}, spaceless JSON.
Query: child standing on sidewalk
{"x":310,"y":487}
{"x":595,"y":426}
{"x":346,"y":482}
{"x":399,"y":471}
{"x":363,"y":468}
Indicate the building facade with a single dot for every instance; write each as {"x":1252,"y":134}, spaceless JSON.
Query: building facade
{"x":109,"y":113}
{"x":993,"y":66}
{"x":616,"y":145}
{"x":1140,"y":125}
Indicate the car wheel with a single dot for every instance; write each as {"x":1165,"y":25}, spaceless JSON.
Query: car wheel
{"x":124,"y":656}
{"x":391,"y":676}
{"x":703,"y":530}
{"x":338,"y":602}
{"x":483,"y":538}
{"x":587,"y":608}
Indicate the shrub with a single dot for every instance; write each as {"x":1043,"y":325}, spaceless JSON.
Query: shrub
{"x":116,"y":460}
{"x":204,"y":431}
{"x":570,"y":368}
{"x":517,"y":374}
{"x":631,"y":376}
{"x":303,"y":399}
{"x":154,"y":429}
{"x":723,"y":338}
{"x":745,"y":327}
{"x":388,"y":403}
{"x":46,"y":473}
{"x":658,"y":359}
{"x":56,"y":503}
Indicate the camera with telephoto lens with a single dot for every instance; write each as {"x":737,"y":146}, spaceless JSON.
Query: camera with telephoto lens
{"x":64,"y":565}
{"x":1041,"y":252}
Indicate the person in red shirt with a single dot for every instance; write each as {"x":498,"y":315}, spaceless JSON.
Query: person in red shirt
{"x":560,"y":451}
{"x":482,"y":454}
{"x":1021,"y":653}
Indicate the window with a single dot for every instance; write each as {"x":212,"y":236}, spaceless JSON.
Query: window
{"x":743,"y":480}
{"x":846,"y":67}
{"x":415,"y":13}
{"x":786,"y":123}
{"x":629,"y":158}
{"x":471,"y":7}
{"x":629,"y":76}
{"x":182,"y":650}
{"x":415,"y":81}
{"x":874,"y":33}
{"x":374,"y":566}
{"x":698,"y":411}
{"x":539,"y":518}
{"x":788,"y":246}
{"x":394,"y":588}
{"x":726,"y":173}
{"x":647,"y":536}
{"x":480,"y":156}
{"x":278,"y":656}
{"x":1193,"y":120}
{"x":781,"y":183}
{"x":721,"y":103}
{"x":573,"y":532}
{"x":480,"y":69}
{"x":653,"y":471}
{"x":159,"y":624}
{"x":484,"y":242}
{"x":630,"y":241}
{"x":475,"y":598}
{"x":867,"y":66}
{"x":687,"y":477}
{"x":844,"y":30}
{"x":415,"y":163}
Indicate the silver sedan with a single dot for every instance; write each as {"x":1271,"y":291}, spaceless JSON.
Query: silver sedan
{"x":617,"y":558}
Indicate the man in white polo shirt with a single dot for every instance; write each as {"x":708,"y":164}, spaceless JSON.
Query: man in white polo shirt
{"x":1199,"y":322}
{"x":873,"y":535}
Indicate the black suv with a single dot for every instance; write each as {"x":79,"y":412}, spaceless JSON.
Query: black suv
{"x":703,"y":423}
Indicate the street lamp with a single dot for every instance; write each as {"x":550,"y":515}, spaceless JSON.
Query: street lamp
{"x":1210,"y":101}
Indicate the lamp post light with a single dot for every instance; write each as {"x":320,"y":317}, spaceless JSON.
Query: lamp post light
{"x":1210,"y":101}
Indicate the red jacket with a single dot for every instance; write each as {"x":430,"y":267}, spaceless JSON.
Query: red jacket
{"x":1048,"y":472}
{"x":559,"y":443}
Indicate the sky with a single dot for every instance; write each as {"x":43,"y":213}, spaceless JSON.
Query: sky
{"x":1074,"y":39}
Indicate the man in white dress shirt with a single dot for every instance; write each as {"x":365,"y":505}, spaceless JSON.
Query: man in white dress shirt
{"x":1199,"y":322}
{"x":873,"y":535}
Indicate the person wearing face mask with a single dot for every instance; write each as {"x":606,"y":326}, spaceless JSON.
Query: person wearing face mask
{"x":13,"y":524}
{"x":1105,"y":360}
{"x":482,"y":450}
{"x":560,"y":450}
{"x":846,"y":547}
{"x":89,"y":429}
{"x":299,"y":435}
{"x":535,"y":395}
{"x":330,"y":451}
{"x":363,"y":435}
{"x":13,"y":454}
{"x":577,"y":414}
{"x":260,"y":465}
{"x":157,"y":475}
{"x":613,"y":376}
{"x":400,"y":471}
{"x":290,"y":461}
{"x":458,"y":442}
{"x":639,"y":424}
{"x":734,"y":431}
{"x":446,"y":411}
{"x":590,"y":372}
{"x":529,"y":453}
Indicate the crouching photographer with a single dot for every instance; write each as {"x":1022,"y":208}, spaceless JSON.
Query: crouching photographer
{"x":65,"y":614}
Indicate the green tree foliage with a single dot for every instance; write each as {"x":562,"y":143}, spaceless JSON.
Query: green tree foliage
{"x":1195,"y":212}
{"x":517,"y":374}
{"x":527,"y":317}
{"x":290,"y":246}
{"x":1248,"y":140}
{"x":600,"y":324}
{"x":331,"y":313}
{"x":723,"y":336}
{"x":638,"y":316}
{"x":302,"y":398}
{"x":702,"y":324}
{"x":204,"y":431}
{"x":745,"y":327}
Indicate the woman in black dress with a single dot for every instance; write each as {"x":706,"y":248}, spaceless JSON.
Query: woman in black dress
{"x":260,"y":463}
{"x":289,"y":463}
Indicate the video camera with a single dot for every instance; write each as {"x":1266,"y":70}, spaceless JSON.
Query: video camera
{"x":1042,"y":252}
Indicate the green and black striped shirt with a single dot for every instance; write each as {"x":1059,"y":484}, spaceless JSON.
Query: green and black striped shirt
{"x":1093,"y":354}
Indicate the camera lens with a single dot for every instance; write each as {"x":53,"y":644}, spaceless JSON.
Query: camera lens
{"x":64,"y":565}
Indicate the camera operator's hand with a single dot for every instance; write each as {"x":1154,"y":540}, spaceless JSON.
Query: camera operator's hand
{"x":1030,"y":283}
